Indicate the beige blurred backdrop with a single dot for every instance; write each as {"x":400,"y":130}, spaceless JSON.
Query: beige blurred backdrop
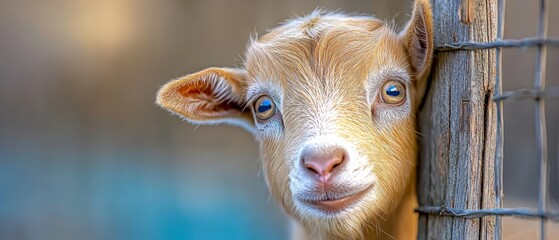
{"x":85,"y":153}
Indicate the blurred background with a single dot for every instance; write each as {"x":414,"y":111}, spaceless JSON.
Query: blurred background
{"x":85,"y":153}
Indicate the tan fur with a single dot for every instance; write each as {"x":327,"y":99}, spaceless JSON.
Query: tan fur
{"x":324,"y":72}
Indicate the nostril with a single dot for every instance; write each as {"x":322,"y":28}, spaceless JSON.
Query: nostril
{"x":310,"y":166}
{"x":336,"y":164}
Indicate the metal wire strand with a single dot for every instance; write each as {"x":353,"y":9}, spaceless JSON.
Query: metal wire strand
{"x":506,"y":43}
{"x":478,"y":213}
{"x":541,"y":131}
{"x":499,"y":141}
{"x":528,"y":93}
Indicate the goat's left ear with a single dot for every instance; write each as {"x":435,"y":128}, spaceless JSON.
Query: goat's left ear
{"x":417,"y":38}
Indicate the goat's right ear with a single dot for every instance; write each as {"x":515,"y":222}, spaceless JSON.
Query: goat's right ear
{"x":418,"y":38}
{"x":211,"y":96}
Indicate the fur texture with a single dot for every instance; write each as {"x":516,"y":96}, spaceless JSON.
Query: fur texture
{"x":325,"y":73}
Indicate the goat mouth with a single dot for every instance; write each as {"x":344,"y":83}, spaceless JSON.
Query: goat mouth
{"x":335,"y":204}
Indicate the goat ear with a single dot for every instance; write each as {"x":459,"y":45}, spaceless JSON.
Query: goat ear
{"x":417,"y":38}
{"x":211,"y":96}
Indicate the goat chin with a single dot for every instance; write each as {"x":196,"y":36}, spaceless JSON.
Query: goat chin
{"x":396,"y":223}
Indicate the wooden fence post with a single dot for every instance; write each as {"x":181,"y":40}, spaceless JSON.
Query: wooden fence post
{"x":457,"y":124}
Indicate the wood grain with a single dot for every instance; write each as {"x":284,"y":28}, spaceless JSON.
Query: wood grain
{"x":457,"y":125}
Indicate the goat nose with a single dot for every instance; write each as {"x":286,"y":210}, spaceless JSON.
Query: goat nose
{"x":323,"y":161}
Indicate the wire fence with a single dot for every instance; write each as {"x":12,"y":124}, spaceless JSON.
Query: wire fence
{"x":538,"y":94}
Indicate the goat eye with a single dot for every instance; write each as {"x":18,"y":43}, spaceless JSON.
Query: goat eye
{"x":393,"y":92}
{"x":264,"y":108}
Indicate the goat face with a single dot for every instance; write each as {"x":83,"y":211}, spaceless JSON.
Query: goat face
{"x":331,"y":99}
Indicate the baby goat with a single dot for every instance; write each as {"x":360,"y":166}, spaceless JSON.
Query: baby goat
{"x":331,"y":100}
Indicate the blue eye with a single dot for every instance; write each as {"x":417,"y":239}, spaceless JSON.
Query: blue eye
{"x":265,"y":105}
{"x":264,"y":108}
{"x":393,"y":92}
